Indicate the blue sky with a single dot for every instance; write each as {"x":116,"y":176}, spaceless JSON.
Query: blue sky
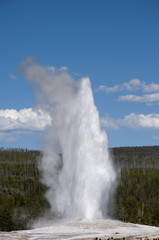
{"x":113,"y":42}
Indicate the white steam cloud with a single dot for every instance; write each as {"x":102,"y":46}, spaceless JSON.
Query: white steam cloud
{"x":80,"y":178}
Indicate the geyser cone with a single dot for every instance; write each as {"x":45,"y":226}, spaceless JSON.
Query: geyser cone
{"x":79,"y":181}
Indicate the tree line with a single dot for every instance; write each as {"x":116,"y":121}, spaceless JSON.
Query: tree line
{"x":22,"y":195}
{"x":135,"y":197}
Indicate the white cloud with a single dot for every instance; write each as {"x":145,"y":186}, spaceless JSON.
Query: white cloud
{"x":156,"y":137}
{"x":146,"y":98}
{"x":109,"y":122}
{"x":132,"y":85}
{"x":140,"y":121}
{"x":25,"y":120}
{"x":136,"y":121}
{"x":7,"y":137}
{"x":151,"y":87}
{"x":108,"y":89}
{"x":12,"y":76}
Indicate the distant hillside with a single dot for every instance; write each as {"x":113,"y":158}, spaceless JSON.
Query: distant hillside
{"x":136,"y":156}
{"x":135,"y":199}
{"x":21,"y":193}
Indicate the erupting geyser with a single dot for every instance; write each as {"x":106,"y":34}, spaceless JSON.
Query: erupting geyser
{"x":76,"y":163}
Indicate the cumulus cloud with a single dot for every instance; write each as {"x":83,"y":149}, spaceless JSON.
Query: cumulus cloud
{"x":108,"y":89}
{"x":136,"y":121}
{"x":109,"y":122}
{"x":153,"y":87}
{"x":25,"y":120}
{"x":141,"y":121}
{"x":132,"y":85}
{"x":146,"y":98}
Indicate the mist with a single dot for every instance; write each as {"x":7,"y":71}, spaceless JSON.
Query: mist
{"x":76,"y":163}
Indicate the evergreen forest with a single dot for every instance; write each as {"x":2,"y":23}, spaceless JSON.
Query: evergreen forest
{"x":135,"y":197}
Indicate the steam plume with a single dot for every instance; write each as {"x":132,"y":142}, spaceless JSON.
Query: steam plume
{"x":76,"y":163}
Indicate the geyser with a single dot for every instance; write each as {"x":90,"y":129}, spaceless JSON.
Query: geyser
{"x":76,"y":163}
